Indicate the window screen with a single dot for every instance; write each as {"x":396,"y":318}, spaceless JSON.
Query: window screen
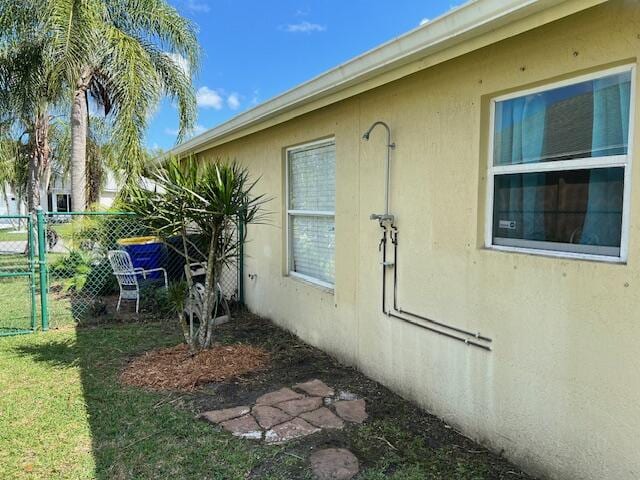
{"x":311,"y":196}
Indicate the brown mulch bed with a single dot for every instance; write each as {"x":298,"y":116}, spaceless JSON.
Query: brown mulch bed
{"x":175,"y":368}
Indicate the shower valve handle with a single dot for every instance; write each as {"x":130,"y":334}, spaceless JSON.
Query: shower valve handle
{"x":382,"y":217}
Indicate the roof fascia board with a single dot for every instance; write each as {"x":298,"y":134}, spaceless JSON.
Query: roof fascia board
{"x":470,"y":27}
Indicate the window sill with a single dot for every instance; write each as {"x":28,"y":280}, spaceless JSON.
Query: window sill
{"x":558,"y":254}
{"x":312,"y":282}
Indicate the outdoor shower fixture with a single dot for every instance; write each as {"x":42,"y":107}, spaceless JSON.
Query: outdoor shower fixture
{"x":386,"y":216}
{"x":390,"y":233}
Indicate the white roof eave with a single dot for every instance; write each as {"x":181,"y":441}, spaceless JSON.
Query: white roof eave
{"x":457,"y":26}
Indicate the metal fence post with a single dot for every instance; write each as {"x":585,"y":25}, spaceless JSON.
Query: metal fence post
{"x":42,"y":261}
{"x":241,"y":227}
{"x":32,"y":270}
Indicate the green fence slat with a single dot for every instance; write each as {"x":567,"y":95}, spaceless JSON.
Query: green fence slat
{"x":42,"y":261}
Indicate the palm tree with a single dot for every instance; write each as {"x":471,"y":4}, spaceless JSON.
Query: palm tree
{"x":125,"y":54}
{"x":136,"y":58}
{"x":27,"y":90}
{"x":102,"y":158}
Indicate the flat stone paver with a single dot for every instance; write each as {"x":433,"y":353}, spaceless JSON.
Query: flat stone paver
{"x":283,"y":415}
{"x":245,"y":427}
{"x":351,"y":410}
{"x":282,"y":395}
{"x":316,"y":388}
{"x":268,"y":416}
{"x":323,"y":418}
{"x":296,"y":407}
{"x":284,"y":432}
{"x":218,"y":416}
{"x":334,"y":464}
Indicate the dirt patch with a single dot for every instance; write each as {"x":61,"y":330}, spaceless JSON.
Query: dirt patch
{"x":398,"y":439}
{"x":175,"y":368}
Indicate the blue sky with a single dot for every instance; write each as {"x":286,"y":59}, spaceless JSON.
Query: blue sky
{"x":256,"y":49}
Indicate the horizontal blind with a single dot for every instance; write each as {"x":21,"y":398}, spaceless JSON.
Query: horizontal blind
{"x":312,"y":179}
{"x":312,"y":188}
{"x":313,"y":246}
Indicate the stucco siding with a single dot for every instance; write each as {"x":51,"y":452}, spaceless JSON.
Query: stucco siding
{"x":560,"y":392}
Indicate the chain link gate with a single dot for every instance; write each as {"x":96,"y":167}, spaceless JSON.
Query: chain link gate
{"x":18,"y":275}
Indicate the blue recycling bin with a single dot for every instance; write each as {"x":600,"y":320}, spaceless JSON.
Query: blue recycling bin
{"x":146,"y":253}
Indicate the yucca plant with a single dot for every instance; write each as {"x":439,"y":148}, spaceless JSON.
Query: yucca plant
{"x":206,"y":200}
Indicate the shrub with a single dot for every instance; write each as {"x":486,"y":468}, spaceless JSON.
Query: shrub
{"x":207,"y":200}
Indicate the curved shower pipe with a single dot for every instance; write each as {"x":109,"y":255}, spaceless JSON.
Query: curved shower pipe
{"x":390,"y":231}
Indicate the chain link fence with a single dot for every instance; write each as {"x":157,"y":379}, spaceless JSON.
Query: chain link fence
{"x":60,"y":265}
{"x":82,"y":287}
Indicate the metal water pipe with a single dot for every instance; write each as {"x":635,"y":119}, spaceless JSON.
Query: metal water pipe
{"x":386,"y":216}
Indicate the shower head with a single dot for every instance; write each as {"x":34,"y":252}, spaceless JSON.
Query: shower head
{"x":386,"y":217}
{"x":367,"y":134}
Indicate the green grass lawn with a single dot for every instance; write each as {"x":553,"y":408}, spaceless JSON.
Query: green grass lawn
{"x":15,"y":296}
{"x":63,"y":413}
{"x":9,"y":235}
{"x":65,"y":230}
{"x":15,"y":303}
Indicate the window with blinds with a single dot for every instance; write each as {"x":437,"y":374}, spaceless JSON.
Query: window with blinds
{"x":311,"y":200}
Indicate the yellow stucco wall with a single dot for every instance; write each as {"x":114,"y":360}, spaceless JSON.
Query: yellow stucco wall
{"x":560,"y":392}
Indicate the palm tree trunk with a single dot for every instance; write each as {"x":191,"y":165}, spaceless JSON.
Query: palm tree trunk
{"x":79,"y":125}
{"x":33,"y":183}
{"x":38,"y":159}
{"x":95,"y":175}
{"x":45,"y":180}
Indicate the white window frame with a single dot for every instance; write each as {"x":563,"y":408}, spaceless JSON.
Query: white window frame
{"x":625,"y":161}
{"x":307,"y":213}
{"x":68,"y":198}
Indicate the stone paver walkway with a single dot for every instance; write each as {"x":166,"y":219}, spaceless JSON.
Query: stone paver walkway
{"x":334,"y":464}
{"x":289,"y":413}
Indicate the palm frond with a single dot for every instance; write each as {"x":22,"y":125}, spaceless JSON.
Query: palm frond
{"x":160,"y":24}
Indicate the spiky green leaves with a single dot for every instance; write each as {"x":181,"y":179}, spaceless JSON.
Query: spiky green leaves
{"x":203,"y":198}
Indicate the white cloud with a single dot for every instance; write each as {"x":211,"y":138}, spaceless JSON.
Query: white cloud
{"x":198,"y":129}
{"x":208,"y":98}
{"x":197,"y":6}
{"x":304,"y":27}
{"x":424,"y":21}
{"x":217,"y":98}
{"x":233,"y":101}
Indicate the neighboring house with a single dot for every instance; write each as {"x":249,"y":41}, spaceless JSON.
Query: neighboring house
{"x":516,"y":215}
{"x":11,"y":204}
{"x":58,"y":197}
